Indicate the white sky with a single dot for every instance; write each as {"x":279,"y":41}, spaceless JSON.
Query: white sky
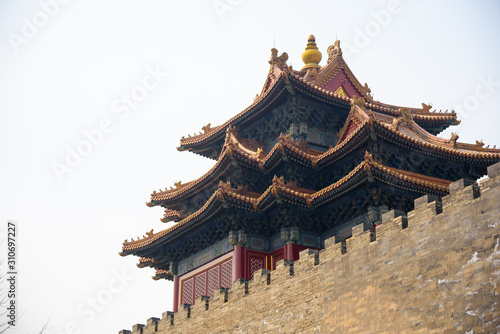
{"x":66,"y":77}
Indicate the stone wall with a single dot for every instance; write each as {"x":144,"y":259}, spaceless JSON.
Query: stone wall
{"x":435,"y":270}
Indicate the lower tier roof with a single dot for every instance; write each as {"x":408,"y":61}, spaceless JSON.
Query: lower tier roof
{"x":369,"y":171}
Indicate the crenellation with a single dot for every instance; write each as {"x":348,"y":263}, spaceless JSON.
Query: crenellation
{"x":457,"y":187}
{"x":198,"y":306}
{"x":281,"y":271}
{"x":314,"y":253}
{"x":137,"y":329}
{"x":493,"y":179}
{"x":335,"y":248}
{"x":290,"y":265}
{"x":206,"y":302}
{"x":170,"y":317}
{"x":152,"y":321}
{"x":391,"y":215}
{"x":360,"y":239}
{"x":151,"y":325}
{"x":427,"y":202}
{"x":224,"y":294}
{"x":261,"y":277}
{"x":461,"y":192}
{"x":186,"y":310}
{"x":425,"y":210}
{"x":308,"y":259}
{"x":494,"y":171}
{"x":359,"y":230}
{"x":239,"y":290}
{"x":330,"y":242}
{"x":304,"y":253}
{"x":124,"y":331}
{"x":392,"y":222}
{"x":163,"y":325}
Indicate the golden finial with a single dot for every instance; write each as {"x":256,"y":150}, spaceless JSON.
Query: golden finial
{"x":368,"y":156}
{"x":311,"y":56}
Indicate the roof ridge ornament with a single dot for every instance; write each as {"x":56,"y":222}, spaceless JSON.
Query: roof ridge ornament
{"x":368,"y":161}
{"x":426,"y":107}
{"x":279,"y":62}
{"x":311,"y":75}
{"x":311,"y":56}
{"x":395,"y":123}
{"x":300,"y":143}
{"x":224,"y":185}
{"x":368,"y":90}
{"x":368,"y":157}
{"x":406,"y":116}
{"x":333,"y":51}
{"x":234,"y":129}
{"x":278,"y":180}
{"x":453,"y":139}
{"x":207,"y":128}
{"x":360,"y":102}
{"x":259,"y":153}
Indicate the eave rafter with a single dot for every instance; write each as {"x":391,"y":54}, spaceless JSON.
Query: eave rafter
{"x":152,"y":263}
{"x":172,"y":215}
{"x":163,"y":274}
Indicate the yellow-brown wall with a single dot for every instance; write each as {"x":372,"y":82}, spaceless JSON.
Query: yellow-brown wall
{"x":440,"y":274}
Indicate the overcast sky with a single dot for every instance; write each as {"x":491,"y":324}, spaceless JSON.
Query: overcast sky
{"x":94,"y":97}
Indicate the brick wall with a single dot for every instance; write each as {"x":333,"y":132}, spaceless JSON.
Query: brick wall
{"x":435,"y":270}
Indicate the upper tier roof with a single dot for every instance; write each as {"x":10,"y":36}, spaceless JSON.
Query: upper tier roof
{"x":334,"y":83}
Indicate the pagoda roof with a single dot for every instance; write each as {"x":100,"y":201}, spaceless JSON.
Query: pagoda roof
{"x":360,"y":126}
{"x":368,"y":170}
{"x":147,"y":262}
{"x":334,"y":83}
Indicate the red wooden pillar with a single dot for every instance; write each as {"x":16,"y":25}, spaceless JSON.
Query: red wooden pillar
{"x":239,"y":262}
{"x":291,"y":252}
{"x":176,"y":293}
{"x":290,"y":235}
{"x":238,"y":239}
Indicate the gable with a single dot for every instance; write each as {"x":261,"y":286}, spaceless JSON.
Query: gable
{"x":350,"y":128}
{"x":341,"y":81}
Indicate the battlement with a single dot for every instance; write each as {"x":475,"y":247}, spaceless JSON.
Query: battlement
{"x":433,"y":269}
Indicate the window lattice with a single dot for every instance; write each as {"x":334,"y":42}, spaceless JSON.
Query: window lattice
{"x":227,"y":274}
{"x":201,"y":283}
{"x":256,"y":263}
{"x":213,"y":281}
{"x":204,"y":283}
{"x":276,"y":258}
{"x":187,"y":291}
